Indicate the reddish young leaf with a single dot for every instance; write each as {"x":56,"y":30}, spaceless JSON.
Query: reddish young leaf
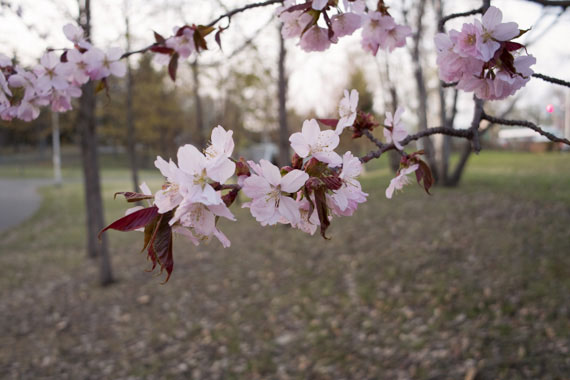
{"x":218,"y":38}
{"x":63,"y":57}
{"x":329,"y":122}
{"x":322,"y":210}
{"x":162,"y":50}
{"x":200,"y":42}
{"x":132,"y":196}
{"x":101,"y":85}
{"x":160,"y":245}
{"x":158,"y":38}
{"x":426,"y":175}
{"x":173,"y":66}
{"x":137,"y":219}
{"x":512,"y":46}
{"x":205,"y":30}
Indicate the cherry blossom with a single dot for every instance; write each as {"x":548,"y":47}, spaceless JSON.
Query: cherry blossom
{"x":346,"y":199}
{"x":381,"y":31}
{"x":294,"y":23}
{"x":269,"y":192}
{"x":316,"y":39}
{"x":347,"y":110}
{"x":182,"y":42}
{"x":345,"y":24}
{"x":491,"y":31}
{"x":312,"y":142}
{"x":103,"y":64}
{"x":402,"y":179}
{"x":397,"y":131}
{"x":52,"y":73}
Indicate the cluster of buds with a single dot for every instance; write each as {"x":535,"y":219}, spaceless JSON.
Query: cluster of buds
{"x":379,"y":30}
{"x":57,"y":78}
{"x":482,"y":57}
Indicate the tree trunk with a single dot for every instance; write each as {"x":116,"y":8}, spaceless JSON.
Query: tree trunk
{"x":86,"y":124}
{"x":198,"y":106}
{"x":284,"y":158}
{"x":56,"y":151}
{"x":131,"y":143}
{"x":422,"y":92}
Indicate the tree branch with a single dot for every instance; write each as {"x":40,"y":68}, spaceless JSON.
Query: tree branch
{"x":552,"y":80}
{"x":464,"y":133}
{"x":477,"y":116}
{"x":371,"y":137}
{"x":456,"y":15}
{"x":231,"y":13}
{"x":524,"y":123}
{"x":551,"y":3}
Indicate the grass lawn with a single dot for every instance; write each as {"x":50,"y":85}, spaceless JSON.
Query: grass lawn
{"x":473,"y":281}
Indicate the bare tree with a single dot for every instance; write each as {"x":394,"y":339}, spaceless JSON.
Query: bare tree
{"x":87,"y":127}
{"x":282,"y":94}
{"x":131,"y":143}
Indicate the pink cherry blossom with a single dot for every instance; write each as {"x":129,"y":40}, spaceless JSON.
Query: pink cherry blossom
{"x":103,"y":64}
{"x":316,"y":39}
{"x":307,"y":222}
{"x":398,"y":131}
{"x":345,"y":200}
{"x":78,"y":66}
{"x":381,"y":31}
{"x":169,"y":197}
{"x":491,"y":30}
{"x":52,"y":73}
{"x":400,"y":180}
{"x":466,"y":40}
{"x":347,"y":110}
{"x":270,"y":202}
{"x":294,"y":23}
{"x":183,"y":44}
{"x":76,"y":35}
{"x":312,"y":142}
{"x":345,"y":24}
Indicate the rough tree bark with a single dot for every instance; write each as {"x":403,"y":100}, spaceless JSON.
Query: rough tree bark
{"x":421,"y":88}
{"x":284,"y":158}
{"x":87,"y":127}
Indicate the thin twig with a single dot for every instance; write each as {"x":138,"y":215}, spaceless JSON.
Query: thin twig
{"x":525,"y":123}
{"x":464,"y":133}
{"x":552,"y":3}
{"x":477,"y":116}
{"x":552,"y":80}
{"x":231,"y":13}
{"x":371,"y":137}
{"x":460,"y":14}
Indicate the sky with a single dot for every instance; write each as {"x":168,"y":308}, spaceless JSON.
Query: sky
{"x":316,"y":80}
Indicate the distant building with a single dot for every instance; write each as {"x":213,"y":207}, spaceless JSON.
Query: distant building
{"x":527,"y":139}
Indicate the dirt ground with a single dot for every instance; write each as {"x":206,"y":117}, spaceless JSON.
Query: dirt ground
{"x":464,"y":284}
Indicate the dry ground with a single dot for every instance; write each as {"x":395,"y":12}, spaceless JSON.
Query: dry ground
{"x":470,"y":283}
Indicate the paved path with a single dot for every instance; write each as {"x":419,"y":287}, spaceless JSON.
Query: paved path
{"x":19,"y":200}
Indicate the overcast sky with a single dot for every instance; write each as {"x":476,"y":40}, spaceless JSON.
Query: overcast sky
{"x":316,"y":79}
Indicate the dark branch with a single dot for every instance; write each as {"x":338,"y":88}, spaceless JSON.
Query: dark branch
{"x":231,"y":13}
{"x":477,"y":116}
{"x":456,"y":15}
{"x":450,"y":84}
{"x":552,"y":3}
{"x":552,"y":80}
{"x":371,"y":137}
{"x":524,"y":123}
{"x":464,"y":133}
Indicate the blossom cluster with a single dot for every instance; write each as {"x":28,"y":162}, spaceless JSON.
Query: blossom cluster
{"x":483,"y":59}
{"x":316,"y":187}
{"x":56,"y":79}
{"x":379,"y":30}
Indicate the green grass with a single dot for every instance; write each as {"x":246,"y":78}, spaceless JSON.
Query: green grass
{"x":416,"y":286}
